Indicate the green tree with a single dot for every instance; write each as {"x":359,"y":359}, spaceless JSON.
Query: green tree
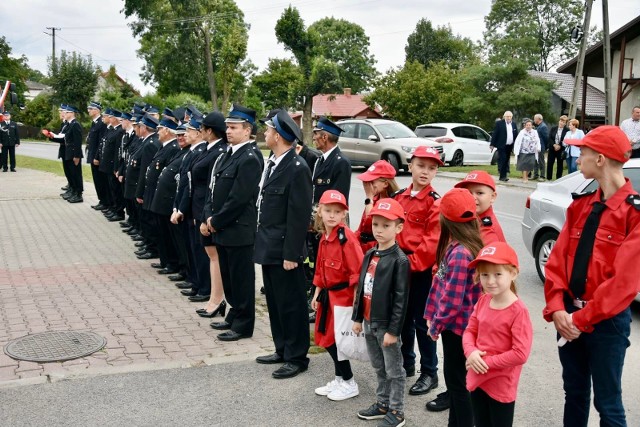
{"x":346,"y":44}
{"x":39,"y":111}
{"x":193,"y":46}
{"x":416,"y":95}
{"x":536,"y":32}
{"x":428,"y":45}
{"x":279,"y":84}
{"x":12,"y":69}
{"x":492,"y":89}
{"x":75,"y":79}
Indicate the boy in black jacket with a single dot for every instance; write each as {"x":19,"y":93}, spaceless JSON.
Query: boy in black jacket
{"x":381,"y":300}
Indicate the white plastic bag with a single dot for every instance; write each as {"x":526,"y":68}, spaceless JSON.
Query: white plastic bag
{"x":350,"y":346}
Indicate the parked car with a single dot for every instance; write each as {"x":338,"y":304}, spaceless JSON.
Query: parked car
{"x":463,"y":144}
{"x":365,"y":141}
{"x":546,"y":209}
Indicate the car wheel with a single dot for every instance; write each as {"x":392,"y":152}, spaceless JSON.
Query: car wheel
{"x":394,"y":161}
{"x":543,"y":249}
{"x":457,"y":159}
{"x":494,"y":158}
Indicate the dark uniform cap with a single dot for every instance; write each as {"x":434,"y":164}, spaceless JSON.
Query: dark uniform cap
{"x":169,"y":124}
{"x":191,"y":110}
{"x":328,"y":126}
{"x":285,"y":126}
{"x":71,"y":108}
{"x":194,"y":123}
{"x":137,"y":118}
{"x":239,"y":114}
{"x":168,"y":112}
{"x":149,"y":121}
{"x":270,"y":115}
{"x":126,"y":116}
{"x":95,"y":104}
{"x":179,"y":113}
{"x":107,"y":112}
{"x":137,"y":109}
{"x":181,"y":129}
{"x":62,"y":107}
{"x":216,"y":122}
{"x":116,"y":113}
{"x":153,"y":110}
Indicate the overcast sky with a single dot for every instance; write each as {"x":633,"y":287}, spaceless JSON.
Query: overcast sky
{"x":98,"y":28}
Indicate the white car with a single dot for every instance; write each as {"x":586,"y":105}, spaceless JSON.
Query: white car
{"x":463,"y":144}
{"x":546,"y":211}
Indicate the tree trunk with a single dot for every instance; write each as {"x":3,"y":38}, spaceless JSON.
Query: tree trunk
{"x":225,"y":96}
{"x":210,"y":75}
{"x":307,"y":119}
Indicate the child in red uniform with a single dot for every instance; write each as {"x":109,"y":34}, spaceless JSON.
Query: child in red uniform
{"x":418,"y":240}
{"x":378,"y":182}
{"x":337,"y":270}
{"x":453,"y":295}
{"x":483,"y":188}
{"x":497,"y":340}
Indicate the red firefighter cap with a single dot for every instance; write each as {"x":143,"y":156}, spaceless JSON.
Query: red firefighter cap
{"x":610,"y":141}
{"x":477,"y":177}
{"x":388,"y":208}
{"x":458,"y":205}
{"x":380,"y":169}
{"x":496,"y":253}
{"x":333,"y":196}
{"x":425,"y":152}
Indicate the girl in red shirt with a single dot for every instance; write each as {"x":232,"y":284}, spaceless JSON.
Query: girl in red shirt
{"x":337,"y":273}
{"x":497,"y":340}
{"x":378,"y":182}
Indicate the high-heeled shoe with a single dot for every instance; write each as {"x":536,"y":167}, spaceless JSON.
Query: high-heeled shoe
{"x":221,"y":309}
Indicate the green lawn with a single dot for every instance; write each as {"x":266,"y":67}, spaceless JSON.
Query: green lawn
{"x":52,"y":166}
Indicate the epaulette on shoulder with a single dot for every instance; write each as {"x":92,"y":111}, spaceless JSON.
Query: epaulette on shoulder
{"x":486,"y":221}
{"x":402,"y":190}
{"x":634,"y":200}
{"x":435,"y":195}
{"x":342,"y":236}
{"x":580,"y":195}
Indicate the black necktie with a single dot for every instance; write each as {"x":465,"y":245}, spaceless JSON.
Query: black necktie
{"x":578,"y":280}
{"x":319,"y":163}
{"x":267,"y":172}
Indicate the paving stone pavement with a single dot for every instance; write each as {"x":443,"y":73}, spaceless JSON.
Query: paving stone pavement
{"x":64,"y":267}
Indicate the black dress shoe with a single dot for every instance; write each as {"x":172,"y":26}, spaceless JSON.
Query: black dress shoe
{"x":13,"y":170}
{"x":98,"y":207}
{"x":125,"y":224}
{"x":221,"y":326}
{"x":440,"y":403}
{"x":423,"y":385}
{"x":115,"y":218}
{"x":137,"y":238}
{"x":156,"y":265}
{"x":271,"y":359}
{"x":177,"y":277}
{"x":65,"y":188}
{"x":133,"y":232}
{"x":141,"y":251}
{"x":148,"y":255}
{"x":199,"y":298}
{"x":189,"y":292}
{"x":184,"y":285}
{"x":77,"y":198}
{"x":105,"y":209}
{"x":410,"y":370}
{"x":140,"y":244}
{"x":126,"y":229}
{"x":221,"y":310}
{"x":167,"y":270}
{"x":232,"y":336}
{"x":288,"y":370}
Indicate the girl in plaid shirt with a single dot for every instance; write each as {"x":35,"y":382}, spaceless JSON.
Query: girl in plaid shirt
{"x":453,"y":295}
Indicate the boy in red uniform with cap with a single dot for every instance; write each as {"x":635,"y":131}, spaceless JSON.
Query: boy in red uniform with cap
{"x":483,"y":188}
{"x":592,"y":278}
{"x":418,"y":240}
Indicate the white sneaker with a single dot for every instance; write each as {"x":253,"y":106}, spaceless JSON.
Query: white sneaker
{"x":331,"y":385}
{"x":345,"y":390}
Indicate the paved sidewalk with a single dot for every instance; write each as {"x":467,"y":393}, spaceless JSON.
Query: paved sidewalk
{"x":64,"y":267}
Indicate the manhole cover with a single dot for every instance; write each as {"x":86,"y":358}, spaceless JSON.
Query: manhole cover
{"x":54,"y":346}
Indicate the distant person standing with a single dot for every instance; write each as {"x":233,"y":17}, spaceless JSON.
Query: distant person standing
{"x":10,"y":140}
{"x":502,"y":138}
{"x":543,"y":135}
{"x":527,"y":149}
{"x":631,"y":128}
{"x":73,"y":154}
{"x":573,"y":152}
{"x":556,"y":138}
{"x":94,"y":137}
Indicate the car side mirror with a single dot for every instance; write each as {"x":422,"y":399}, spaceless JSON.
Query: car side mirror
{"x":373,"y":138}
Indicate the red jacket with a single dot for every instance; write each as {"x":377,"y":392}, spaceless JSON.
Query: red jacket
{"x":490,"y":228}
{"x":613,"y":271}
{"x":336,"y":263}
{"x":364,"y":233}
{"x":419,"y":237}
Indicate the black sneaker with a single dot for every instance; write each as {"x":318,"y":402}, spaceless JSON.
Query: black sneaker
{"x":392,"y":419}
{"x":377,"y":411}
{"x":440,"y":403}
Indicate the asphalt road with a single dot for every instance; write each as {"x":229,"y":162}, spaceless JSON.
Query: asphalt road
{"x":243,"y":393}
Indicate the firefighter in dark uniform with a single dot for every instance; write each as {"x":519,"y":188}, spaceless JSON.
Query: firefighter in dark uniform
{"x":120,"y":166}
{"x":73,"y":154}
{"x":231,"y":219}
{"x":10,"y":140}
{"x":592,"y":278}
{"x":283,"y":219}
{"x":59,"y":138}
{"x":109,"y":152}
{"x":94,"y":137}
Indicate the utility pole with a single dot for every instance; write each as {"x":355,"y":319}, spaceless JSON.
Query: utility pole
{"x":606,"y":49}
{"x":580,"y":64}
{"x":53,"y":48}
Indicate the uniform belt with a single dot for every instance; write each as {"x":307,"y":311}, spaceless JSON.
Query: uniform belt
{"x":323,"y":298}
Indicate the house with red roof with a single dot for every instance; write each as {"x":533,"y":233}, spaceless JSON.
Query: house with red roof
{"x":340,"y":106}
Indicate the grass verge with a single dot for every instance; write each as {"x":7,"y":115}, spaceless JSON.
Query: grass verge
{"x":51,"y":166}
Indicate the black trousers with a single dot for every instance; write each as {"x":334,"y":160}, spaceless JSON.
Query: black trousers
{"x":455,"y":377}
{"x":67,"y":173}
{"x":101,"y":185}
{"x":75,"y":175}
{"x":488,"y":412}
{"x":117,"y":196}
{"x":166,"y":249}
{"x":342,"y":367}
{"x":148,"y":228}
{"x":239,"y":283}
{"x":8,"y":152}
{"x":178,"y":238}
{"x":288,"y":314}
{"x":200,"y":271}
{"x":555,"y":157}
{"x":504,"y":159}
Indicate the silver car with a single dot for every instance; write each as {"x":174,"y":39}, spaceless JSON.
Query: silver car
{"x":546,"y":208}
